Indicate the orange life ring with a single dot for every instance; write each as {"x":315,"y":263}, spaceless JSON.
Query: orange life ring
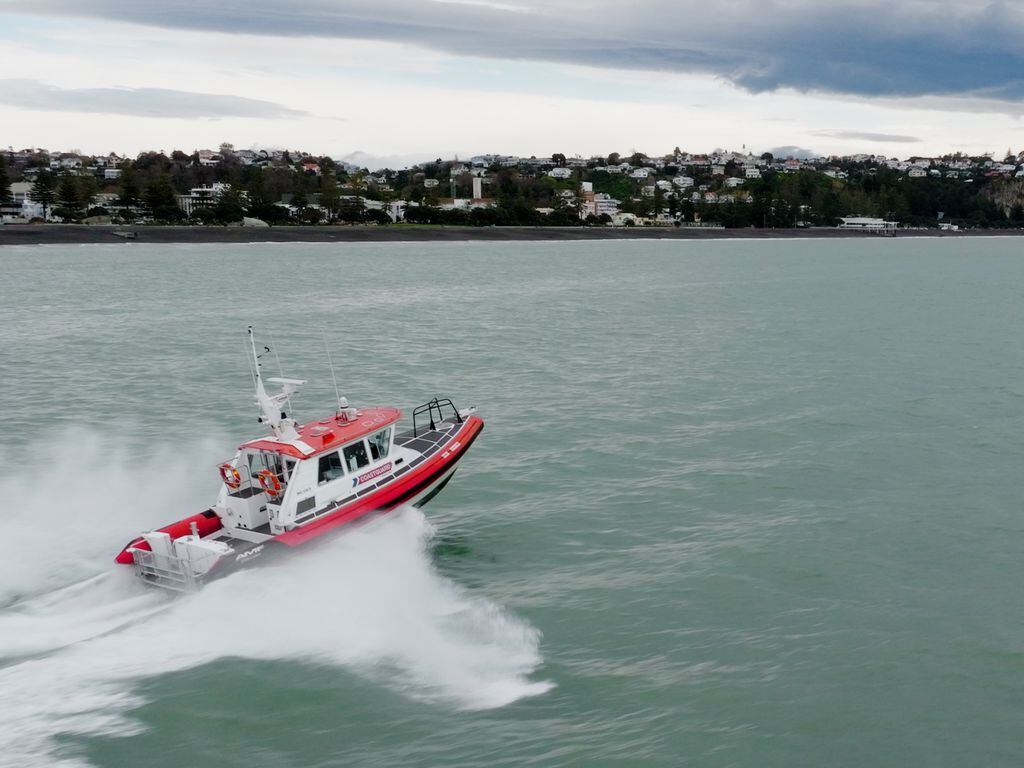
{"x":230,"y":476}
{"x":269,"y":482}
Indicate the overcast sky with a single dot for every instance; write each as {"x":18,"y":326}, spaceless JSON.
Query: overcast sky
{"x":406,"y":80}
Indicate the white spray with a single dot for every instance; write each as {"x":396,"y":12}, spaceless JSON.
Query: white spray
{"x":369,"y":600}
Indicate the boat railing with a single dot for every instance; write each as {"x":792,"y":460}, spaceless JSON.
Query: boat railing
{"x":434,"y":413}
{"x":178,"y":574}
{"x":248,"y":479}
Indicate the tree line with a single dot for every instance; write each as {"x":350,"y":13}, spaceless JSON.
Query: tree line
{"x":151,"y":183}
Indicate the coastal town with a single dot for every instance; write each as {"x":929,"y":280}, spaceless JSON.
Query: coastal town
{"x":721,"y":189}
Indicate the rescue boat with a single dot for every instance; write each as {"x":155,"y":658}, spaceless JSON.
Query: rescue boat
{"x":304,"y":481}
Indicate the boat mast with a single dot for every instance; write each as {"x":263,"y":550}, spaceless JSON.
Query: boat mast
{"x":270,"y":405}
{"x":263,"y":401}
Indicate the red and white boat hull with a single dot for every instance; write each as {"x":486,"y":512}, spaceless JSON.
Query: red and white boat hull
{"x":421,"y":466}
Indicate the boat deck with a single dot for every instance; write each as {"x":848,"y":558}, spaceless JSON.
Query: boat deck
{"x":425,"y":444}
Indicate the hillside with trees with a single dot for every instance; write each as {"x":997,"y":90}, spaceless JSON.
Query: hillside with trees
{"x":720,"y":189}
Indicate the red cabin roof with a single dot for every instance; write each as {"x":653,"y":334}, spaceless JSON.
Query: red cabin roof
{"x":329,"y":433}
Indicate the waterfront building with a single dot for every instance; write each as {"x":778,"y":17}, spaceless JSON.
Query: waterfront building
{"x":201,"y":197}
{"x":867,"y":223}
{"x":596,"y":204}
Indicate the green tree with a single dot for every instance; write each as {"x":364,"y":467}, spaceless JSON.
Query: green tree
{"x":161,"y":200}
{"x":130,"y":192}
{"x":311,"y":216}
{"x":618,"y":186}
{"x":376,"y":216}
{"x":257,"y":189}
{"x":300,"y":202}
{"x":68,"y":196}
{"x":330,"y":195}
{"x":203,"y":216}
{"x":88,"y":187}
{"x":5,"y":182}
{"x":44,"y":191}
{"x":230,"y":206}
{"x":352,"y":209}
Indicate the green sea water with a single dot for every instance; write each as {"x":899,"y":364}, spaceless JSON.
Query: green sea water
{"x":736,"y":504}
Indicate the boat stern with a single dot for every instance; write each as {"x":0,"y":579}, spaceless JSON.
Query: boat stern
{"x":179,"y":565}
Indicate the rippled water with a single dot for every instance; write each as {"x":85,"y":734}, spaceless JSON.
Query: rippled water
{"x":737,"y":504}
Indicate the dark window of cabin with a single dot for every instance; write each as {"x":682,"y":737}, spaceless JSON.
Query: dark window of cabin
{"x":355,"y":456}
{"x":259,"y":462}
{"x":330,"y":468}
{"x":255,"y":465}
{"x":380,"y":443}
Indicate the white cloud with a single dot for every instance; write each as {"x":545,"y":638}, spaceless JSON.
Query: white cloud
{"x":400,"y":99}
{"x":138,"y":102}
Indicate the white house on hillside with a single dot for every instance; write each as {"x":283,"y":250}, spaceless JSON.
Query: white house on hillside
{"x":22,"y":205}
{"x":201,"y":197}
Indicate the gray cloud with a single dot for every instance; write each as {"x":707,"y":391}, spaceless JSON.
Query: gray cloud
{"x":139,"y":102}
{"x":884,"y":138}
{"x":798,"y":153}
{"x":866,"y":47}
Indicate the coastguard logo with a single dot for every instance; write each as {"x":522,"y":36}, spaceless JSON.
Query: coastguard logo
{"x":381,"y":470}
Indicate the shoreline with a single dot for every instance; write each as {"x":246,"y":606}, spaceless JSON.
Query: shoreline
{"x":74,"y":234}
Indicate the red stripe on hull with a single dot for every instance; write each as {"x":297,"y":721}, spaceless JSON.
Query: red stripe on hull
{"x":393,"y":494}
{"x":386,"y":498}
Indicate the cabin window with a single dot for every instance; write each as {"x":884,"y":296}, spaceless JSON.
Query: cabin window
{"x":330,"y":468}
{"x":380,"y":443}
{"x":355,"y":456}
{"x":255,"y":464}
{"x":258,"y":462}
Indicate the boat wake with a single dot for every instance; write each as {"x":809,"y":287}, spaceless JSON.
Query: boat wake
{"x":78,"y":634}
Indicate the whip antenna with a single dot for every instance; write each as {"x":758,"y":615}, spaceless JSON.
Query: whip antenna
{"x":280,"y":369}
{"x":330,"y":363}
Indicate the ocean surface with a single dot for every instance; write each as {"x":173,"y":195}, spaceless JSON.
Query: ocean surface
{"x":737,"y":503}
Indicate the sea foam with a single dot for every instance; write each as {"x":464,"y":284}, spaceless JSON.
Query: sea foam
{"x":77,"y":637}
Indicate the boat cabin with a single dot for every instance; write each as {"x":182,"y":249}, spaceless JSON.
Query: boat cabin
{"x":303,"y":480}
{"x":276,"y":483}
